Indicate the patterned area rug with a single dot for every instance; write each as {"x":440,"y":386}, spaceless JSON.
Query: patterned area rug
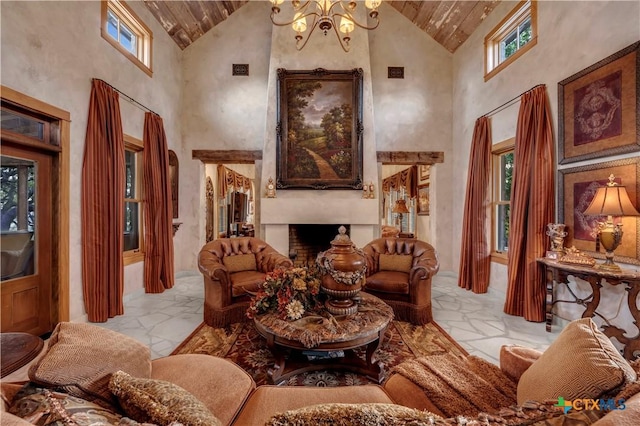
{"x":242,"y":344}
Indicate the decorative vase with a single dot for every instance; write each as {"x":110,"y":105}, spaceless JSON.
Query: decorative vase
{"x":557,"y":233}
{"x":342,"y":269}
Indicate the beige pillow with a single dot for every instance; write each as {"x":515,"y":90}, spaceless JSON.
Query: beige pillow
{"x":240,"y":262}
{"x":395,"y":262}
{"x":81,"y":357}
{"x":581,"y":363}
{"x":158,"y":401}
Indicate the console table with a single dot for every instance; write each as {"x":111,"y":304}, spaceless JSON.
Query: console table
{"x":556,"y":272}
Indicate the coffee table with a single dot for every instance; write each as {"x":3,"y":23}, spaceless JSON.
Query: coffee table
{"x":314,"y":342}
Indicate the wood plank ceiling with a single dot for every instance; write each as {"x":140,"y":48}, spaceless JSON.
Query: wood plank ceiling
{"x":449,"y":22}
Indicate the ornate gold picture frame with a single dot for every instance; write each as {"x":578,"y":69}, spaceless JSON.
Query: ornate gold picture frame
{"x":598,"y":108}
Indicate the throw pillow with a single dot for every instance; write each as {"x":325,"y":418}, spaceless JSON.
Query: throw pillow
{"x":395,"y":262}
{"x":80,"y":359}
{"x":581,"y":363}
{"x":240,"y":262}
{"x":42,"y":407}
{"x":337,"y":414}
{"x":514,"y":360}
{"x":158,"y":401}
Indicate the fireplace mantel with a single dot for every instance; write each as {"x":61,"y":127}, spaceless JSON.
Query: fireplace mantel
{"x":319,"y":210}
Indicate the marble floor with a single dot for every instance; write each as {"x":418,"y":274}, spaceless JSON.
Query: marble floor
{"x":475,"y":321}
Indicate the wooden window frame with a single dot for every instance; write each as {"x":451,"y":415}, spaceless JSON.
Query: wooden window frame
{"x":143,"y":59}
{"x":137,"y":146}
{"x":524,"y":10}
{"x":497,"y":150}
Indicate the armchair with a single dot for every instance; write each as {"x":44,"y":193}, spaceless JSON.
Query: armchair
{"x":399,"y":271}
{"x":233,"y":267}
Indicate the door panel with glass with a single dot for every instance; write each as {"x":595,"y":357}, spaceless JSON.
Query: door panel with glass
{"x":26,"y":239}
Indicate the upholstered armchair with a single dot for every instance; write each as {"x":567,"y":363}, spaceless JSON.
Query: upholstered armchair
{"x":399,"y":271}
{"x":232,"y":268}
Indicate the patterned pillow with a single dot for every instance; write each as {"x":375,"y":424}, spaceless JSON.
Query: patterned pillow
{"x":391,"y":414}
{"x":337,"y":414}
{"x":581,"y":363}
{"x":42,"y":407}
{"x":395,"y":262}
{"x":158,"y":401}
{"x":240,"y":262}
{"x":81,"y":357}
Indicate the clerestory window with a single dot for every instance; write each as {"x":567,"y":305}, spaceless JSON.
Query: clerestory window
{"x":511,"y":38}
{"x":122,"y":28}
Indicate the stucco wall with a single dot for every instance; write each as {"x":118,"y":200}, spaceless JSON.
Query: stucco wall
{"x":51,"y":51}
{"x":572,"y":35}
{"x":226,"y":112}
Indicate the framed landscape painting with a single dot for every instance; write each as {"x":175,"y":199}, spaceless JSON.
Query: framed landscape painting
{"x":423,"y":200}
{"x":598,"y":108}
{"x":578,"y":185}
{"x":319,"y":129}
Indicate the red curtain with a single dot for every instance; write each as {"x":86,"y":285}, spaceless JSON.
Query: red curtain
{"x":158,"y":229}
{"x":532,"y":206}
{"x":475,"y":258}
{"x":103,"y":206}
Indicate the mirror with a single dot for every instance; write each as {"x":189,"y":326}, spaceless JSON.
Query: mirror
{"x":173,"y":179}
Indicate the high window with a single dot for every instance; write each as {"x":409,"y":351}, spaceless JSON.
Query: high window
{"x":513,"y":36}
{"x":502,"y":176}
{"x":122,"y":28}
{"x":133,"y":201}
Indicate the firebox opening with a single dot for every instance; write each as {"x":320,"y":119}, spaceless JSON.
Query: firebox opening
{"x":307,"y":240}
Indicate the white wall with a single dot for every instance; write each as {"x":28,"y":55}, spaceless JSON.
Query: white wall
{"x":222,"y":112}
{"x":51,"y":51}
{"x":414,"y":113}
{"x":572,"y":36}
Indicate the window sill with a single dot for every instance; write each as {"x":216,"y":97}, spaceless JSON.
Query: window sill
{"x":499,"y":258}
{"x":134,"y":257}
{"x":524,"y":49}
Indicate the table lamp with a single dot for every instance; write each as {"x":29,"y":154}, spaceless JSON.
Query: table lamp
{"x":400,"y":207}
{"x":611,"y":200}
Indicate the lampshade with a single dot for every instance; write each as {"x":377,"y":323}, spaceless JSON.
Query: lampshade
{"x":611,"y":200}
{"x":400,"y":207}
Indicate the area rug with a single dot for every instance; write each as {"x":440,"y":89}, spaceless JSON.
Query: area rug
{"x":242,"y":344}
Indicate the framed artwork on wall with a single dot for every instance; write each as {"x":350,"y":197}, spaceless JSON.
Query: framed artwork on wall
{"x":319,"y":129}
{"x":424,"y":172}
{"x":576,"y":188}
{"x":423,"y":200}
{"x":598,"y":108}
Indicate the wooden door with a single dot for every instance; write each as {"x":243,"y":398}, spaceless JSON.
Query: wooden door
{"x":27,"y":234}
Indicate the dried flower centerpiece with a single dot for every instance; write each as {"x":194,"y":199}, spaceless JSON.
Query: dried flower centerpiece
{"x":289,"y":292}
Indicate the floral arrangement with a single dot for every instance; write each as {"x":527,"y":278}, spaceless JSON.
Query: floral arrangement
{"x":289,"y":292}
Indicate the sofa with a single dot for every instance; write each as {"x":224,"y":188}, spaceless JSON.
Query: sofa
{"x":101,"y":367}
{"x":233,"y":268}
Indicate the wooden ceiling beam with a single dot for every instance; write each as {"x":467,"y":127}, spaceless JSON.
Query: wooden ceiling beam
{"x":211,"y":156}
{"x":410,"y":157}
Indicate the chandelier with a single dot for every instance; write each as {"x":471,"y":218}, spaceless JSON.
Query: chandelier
{"x":324,"y":14}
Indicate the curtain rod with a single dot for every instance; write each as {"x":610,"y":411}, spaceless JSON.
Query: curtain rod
{"x":128,"y":98}
{"x":509,"y":102}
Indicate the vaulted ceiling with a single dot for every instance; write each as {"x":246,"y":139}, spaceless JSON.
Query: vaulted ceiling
{"x":449,"y":22}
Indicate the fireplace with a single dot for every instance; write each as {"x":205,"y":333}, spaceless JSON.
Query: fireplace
{"x":307,"y":240}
